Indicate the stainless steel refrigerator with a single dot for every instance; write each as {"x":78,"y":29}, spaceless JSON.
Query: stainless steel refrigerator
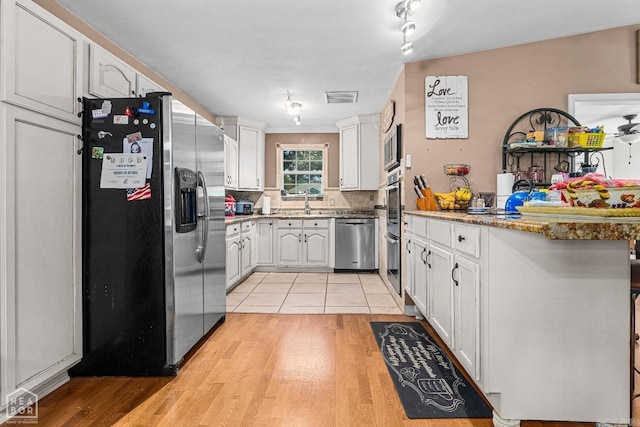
{"x":153,"y":234}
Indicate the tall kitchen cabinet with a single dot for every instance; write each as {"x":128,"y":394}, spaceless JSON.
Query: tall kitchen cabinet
{"x":249,"y":134}
{"x":40,"y":200}
{"x":359,"y":152}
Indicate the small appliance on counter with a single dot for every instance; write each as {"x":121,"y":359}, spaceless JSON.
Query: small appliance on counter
{"x":229,"y":205}
{"x":244,"y":207}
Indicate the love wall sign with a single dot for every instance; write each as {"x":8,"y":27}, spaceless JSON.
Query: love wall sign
{"x":446,"y":107}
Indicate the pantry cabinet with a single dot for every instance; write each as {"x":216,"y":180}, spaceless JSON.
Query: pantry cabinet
{"x":42,"y":77}
{"x":359,"y":150}
{"x":249,"y":135}
{"x":40,"y":193}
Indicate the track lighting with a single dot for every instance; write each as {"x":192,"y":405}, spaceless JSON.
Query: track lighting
{"x":408,"y":28}
{"x":292,"y":107}
{"x":403,"y":10}
{"x":406,"y":48}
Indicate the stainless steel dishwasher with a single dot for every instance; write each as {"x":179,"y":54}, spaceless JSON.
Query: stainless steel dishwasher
{"x":355,"y":244}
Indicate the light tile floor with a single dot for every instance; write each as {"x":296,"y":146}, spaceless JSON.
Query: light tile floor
{"x":312,"y":293}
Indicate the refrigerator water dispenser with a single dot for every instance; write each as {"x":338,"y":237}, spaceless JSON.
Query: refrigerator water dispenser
{"x":186,"y":197}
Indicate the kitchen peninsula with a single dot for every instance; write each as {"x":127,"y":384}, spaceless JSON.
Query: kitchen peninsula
{"x":536,"y":309}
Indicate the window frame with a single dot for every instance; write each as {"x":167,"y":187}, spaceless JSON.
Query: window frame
{"x":281,"y":148}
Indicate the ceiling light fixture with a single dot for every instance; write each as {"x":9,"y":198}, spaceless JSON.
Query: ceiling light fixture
{"x":406,"y":48}
{"x":296,"y":119}
{"x":408,"y":28}
{"x":404,"y":9}
{"x":292,"y":107}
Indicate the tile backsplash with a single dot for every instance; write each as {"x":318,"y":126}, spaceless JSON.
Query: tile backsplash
{"x":332,"y":199}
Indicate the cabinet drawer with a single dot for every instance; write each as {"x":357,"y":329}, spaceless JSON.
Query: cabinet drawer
{"x":233,"y":229}
{"x":247,"y":225}
{"x":315,"y":223}
{"x":467,"y":239}
{"x":419,"y":226}
{"x":440,"y":232}
{"x":289,"y":223}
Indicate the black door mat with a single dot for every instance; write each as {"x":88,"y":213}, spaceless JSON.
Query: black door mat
{"x":428,"y":383}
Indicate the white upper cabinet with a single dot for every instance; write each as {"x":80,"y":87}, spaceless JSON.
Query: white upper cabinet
{"x":144,"y":86}
{"x":359,"y":152}
{"x":41,"y":61}
{"x":108,"y":76}
{"x":250,"y":137}
{"x":230,"y":163}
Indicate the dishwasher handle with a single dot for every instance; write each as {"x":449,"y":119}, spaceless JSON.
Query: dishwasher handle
{"x":391,"y":239}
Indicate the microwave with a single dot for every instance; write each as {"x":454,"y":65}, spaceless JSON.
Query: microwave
{"x":393,"y":148}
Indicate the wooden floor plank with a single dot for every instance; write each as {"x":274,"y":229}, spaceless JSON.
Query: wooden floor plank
{"x":258,"y":370}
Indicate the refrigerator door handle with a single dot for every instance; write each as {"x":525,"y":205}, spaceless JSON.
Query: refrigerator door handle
{"x":201,"y":250}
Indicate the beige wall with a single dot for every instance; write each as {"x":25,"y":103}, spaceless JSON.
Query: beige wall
{"x":333,"y":166}
{"x":504,"y":83}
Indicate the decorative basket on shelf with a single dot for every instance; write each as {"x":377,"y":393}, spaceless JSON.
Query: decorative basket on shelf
{"x":586,"y":140}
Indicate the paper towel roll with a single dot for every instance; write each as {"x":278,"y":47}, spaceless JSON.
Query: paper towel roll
{"x":501,"y":201}
{"x":504,"y":184}
{"x":266,"y":205}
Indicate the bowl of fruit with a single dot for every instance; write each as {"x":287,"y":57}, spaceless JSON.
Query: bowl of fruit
{"x":456,"y":169}
{"x":458,"y":199}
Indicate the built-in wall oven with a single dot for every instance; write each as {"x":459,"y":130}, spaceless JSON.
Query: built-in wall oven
{"x":394,"y":213}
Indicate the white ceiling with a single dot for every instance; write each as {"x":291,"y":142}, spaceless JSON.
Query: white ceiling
{"x":239,"y":57}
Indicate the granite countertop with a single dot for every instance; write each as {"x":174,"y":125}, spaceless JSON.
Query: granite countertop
{"x":315,"y":214}
{"x":552,"y":227}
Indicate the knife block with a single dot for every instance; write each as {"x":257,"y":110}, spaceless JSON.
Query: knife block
{"x":428,"y":202}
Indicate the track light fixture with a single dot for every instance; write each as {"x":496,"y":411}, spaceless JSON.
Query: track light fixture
{"x":292,"y":107}
{"x":403,"y":10}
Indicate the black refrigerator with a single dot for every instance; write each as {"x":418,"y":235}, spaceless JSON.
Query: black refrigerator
{"x":153,"y":234}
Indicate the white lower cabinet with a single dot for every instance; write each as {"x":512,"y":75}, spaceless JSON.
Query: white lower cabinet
{"x":289,"y":243}
{"x":240,"y":238}
{"x":248,"y":247}
{"x":440,"y":283}
{"x":445,"y":283}
{"x":315,"y":243}
{"x":264,"y":241}
{"x":419,"y":253}
{"x":303,"y":243}
{"x":40,"y":251}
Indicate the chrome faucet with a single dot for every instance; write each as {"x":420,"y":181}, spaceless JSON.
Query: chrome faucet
{"x":307,"y":209}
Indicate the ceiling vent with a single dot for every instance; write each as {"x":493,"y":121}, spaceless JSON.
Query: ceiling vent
{"x":341,"y":97}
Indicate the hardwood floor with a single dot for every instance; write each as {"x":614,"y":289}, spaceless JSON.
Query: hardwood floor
{"x":257,"y":370}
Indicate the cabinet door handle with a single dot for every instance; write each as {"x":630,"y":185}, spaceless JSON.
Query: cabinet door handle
{"x":341,"y":181}
{"x":424,"y":259}
{"x":299,"y":238}
{"x":460,"y":238}
{"x":455,"y":267}
{"x":408,"y":247}
{"x":427,"y":257}
{"x":305,"y":238}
